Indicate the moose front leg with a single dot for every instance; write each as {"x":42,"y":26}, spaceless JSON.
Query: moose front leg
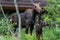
{"x":39,"y":31}
{"x":26,"y":29}
{"x":41,"y":36}
{"x":26,"y":26}
{"x":31,"y":28}
{"x":37,"y":36}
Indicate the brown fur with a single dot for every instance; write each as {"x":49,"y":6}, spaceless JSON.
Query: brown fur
{"x":27,"y":18}
{"x":39,"y":29}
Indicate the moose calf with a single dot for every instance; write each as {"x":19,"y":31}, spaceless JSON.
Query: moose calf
{"x":39,"y":29}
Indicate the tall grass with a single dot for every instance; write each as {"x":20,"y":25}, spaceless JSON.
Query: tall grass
{"x":48,"y":34}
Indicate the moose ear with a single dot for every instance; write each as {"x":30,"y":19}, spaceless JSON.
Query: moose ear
{"x":32,"y":2}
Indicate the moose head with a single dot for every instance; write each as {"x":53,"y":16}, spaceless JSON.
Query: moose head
{"x":43,"y":23}
{"x":36,"y":6}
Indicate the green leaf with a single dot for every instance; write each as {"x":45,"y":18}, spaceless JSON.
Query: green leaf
{"x":58,"y":5}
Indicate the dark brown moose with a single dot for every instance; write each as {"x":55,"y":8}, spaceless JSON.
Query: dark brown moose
{"x":28,"y":17}
{"x":39,"y":29}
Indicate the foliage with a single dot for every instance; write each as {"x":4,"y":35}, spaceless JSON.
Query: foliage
{"x":3,"y":26}
{"x":53,"y":18}
{"x":53,"y":11}
{"x":51,"y":32}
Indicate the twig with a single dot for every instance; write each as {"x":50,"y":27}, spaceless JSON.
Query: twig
{"x":19,"y":18}
{"x":2,"y":11}
{"x":56,"y":28}
{"x":6,"y":19}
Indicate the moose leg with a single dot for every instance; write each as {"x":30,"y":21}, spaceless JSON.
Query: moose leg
{"x":31,"y":28}
{"x":37,"y":35}
{"x":15,"y":27}
{"x":41,"y":36}
{"x":26,"y":29}
{"x":27,"y":26}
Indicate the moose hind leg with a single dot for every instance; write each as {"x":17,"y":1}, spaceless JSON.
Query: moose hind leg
{"x":15,"y":27}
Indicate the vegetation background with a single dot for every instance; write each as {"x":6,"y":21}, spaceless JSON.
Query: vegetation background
{"x":51,"y":32}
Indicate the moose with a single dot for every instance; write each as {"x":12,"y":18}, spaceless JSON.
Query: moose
{"x":39,"y":27}
{"x":28,"y":17}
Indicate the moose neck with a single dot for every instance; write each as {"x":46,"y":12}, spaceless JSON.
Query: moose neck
{"x":34,"y":14}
